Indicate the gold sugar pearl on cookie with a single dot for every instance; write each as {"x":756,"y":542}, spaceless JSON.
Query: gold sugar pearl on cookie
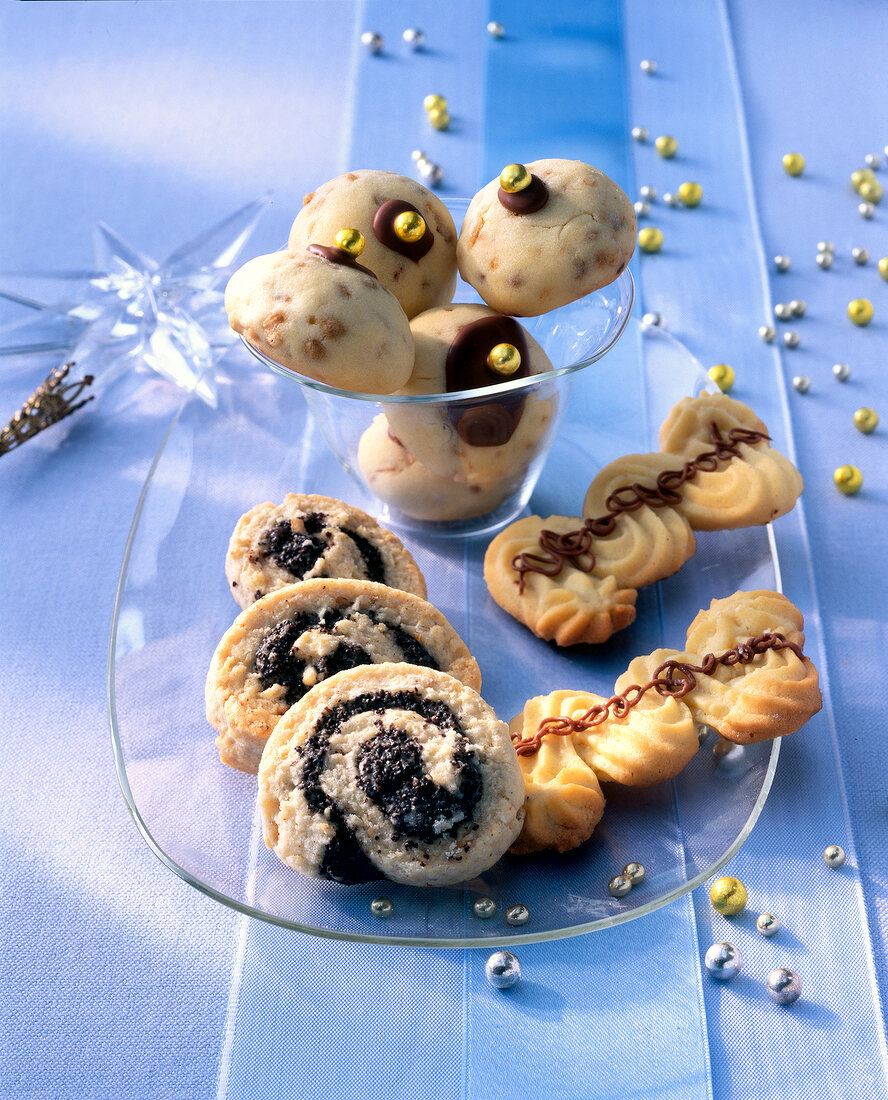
{"x":728,"y":896}
{"x":514,"y":178}
{"x":650,"y":239}
{"x":409,"y":226}
{"x":690,"y":193}
{"x":860,"y":311}
{"x":504,"y":359}
{"x":723,"y":376}
{"x":793,"y":164}
{"x":848,"y":480}
{"x":351,"y":241}
{"x":866,"y":420}
{"x":666,"y":146}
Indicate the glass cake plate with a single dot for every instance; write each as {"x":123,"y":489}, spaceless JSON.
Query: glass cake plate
{"x":173,"y":605}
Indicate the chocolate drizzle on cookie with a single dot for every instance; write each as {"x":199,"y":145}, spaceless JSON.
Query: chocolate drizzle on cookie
{"x":493,"y":423}
{"x":575,"y":547}
{"x":337,"y":255}
{"x":672,"y":679}
{"x":527,"y":201}
{"x":384,"y":230}
{"x":391,"y":773}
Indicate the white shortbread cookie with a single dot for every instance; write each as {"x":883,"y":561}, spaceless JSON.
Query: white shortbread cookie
{"x":351,"y":201}
{"x":527,"y":264}
{"x":487,"y":441}
{"x":307,"y":536}
{"x":390,"y":771}
{"x":328,"y":321}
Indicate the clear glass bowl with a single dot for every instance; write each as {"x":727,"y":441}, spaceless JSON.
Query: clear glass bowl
{"x":173,"y":605}
{"x":412,"y":497}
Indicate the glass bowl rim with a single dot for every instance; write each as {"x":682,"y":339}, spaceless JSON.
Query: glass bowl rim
{"x":624,"y":281}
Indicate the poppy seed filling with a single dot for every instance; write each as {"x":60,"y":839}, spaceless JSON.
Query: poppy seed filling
{"x":298,"y":552}
{"x":390,"y":771}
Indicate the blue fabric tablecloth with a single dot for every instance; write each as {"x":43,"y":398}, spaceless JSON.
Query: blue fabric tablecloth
{"x":118,"y":979}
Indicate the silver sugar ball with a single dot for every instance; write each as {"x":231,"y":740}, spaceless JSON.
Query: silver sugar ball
{"x":414,"y":38}
{"x":825,"y":246}
{"x":372,"y":41}
{"x":484,"y":908}
{"x":639,"y":133}
{"x":432,"y":173}
{"x":783,"y":311}
{"x":495,"y":30}
{"x":417,"y":155}
{"x":382,"y":907}
{"x":791,"y":339}
{"x":648,"y":66}
{"x":767,"y":333}
{"x":860,"y":256}
{"x":648,"y":193}
{"x":866,"y":210}
{"x":730,"y":756}
{"x":503,"y":970}
{"x":642,"y":209}
{"x":619,"y":886}
{"x":655,"y":319}
{"x":517,"y":914}
{"x":824,"y":260}
{"x":841,"y":371}
{"x":670,"y":199}
{"x":784,"y":986}
{"x":798,"y":307}
{"x":834,"y":855}
{"x":801,"y":383}
{"x":635,"y":872}
{"x":723,"y":961}
{"x":872,"y":160}
{"x":768,"y":924}
{"x":703,"y":731}
{"x":782,"y":262}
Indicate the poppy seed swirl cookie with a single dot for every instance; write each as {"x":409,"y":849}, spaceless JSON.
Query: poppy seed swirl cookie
{"x":307,"y":536}
{"x":394,"y":772}
{"x":291,"y":639}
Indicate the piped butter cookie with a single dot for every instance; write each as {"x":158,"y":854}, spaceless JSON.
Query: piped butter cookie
{"x":394,"y":772}
{"x":409,"y":235}
{"x":285,"y":643}
{"x":307,"y":536}
{"x":545,"y":234}
{"x":320,"y":313}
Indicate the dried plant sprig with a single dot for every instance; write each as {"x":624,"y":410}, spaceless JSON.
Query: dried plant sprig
{"x":52,"y":401}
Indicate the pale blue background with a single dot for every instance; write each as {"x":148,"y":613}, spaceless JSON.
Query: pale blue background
{"x":117,"y":978}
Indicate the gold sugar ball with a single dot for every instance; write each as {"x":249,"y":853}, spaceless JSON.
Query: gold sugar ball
{"x":690,"y":193}
{"x":849,"y":480}
{"x":350,"y":240}
{"x":793,"y":164}
{"x":883,"y":267}
{"x":410,"y":226}
{"x":862,"y":174}
{"x":860,"y":311}
{"x":723,"y":376}
{"x":650,"y":239}
{"x":728,"y":896}
{"x":871,"y":191}
{"x":439,"y":118}
{"x":505,"y":359}
{"x":514,"y":177}
{"x":666,"y":146}
{"x":435,"y":103}
{"x":866,"y":420}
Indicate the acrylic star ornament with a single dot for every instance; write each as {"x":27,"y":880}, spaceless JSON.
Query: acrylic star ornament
{"x":132,"y":311}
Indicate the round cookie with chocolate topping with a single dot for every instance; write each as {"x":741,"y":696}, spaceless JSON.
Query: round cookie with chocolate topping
{"x":487,"y":440}
{"x":285,"y":643}
{"x":308,"y":536}
{"x":394,"y":772}
{"x":529,"y":257}
{"x":319,"y":312}
{"x":417,"y":264}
